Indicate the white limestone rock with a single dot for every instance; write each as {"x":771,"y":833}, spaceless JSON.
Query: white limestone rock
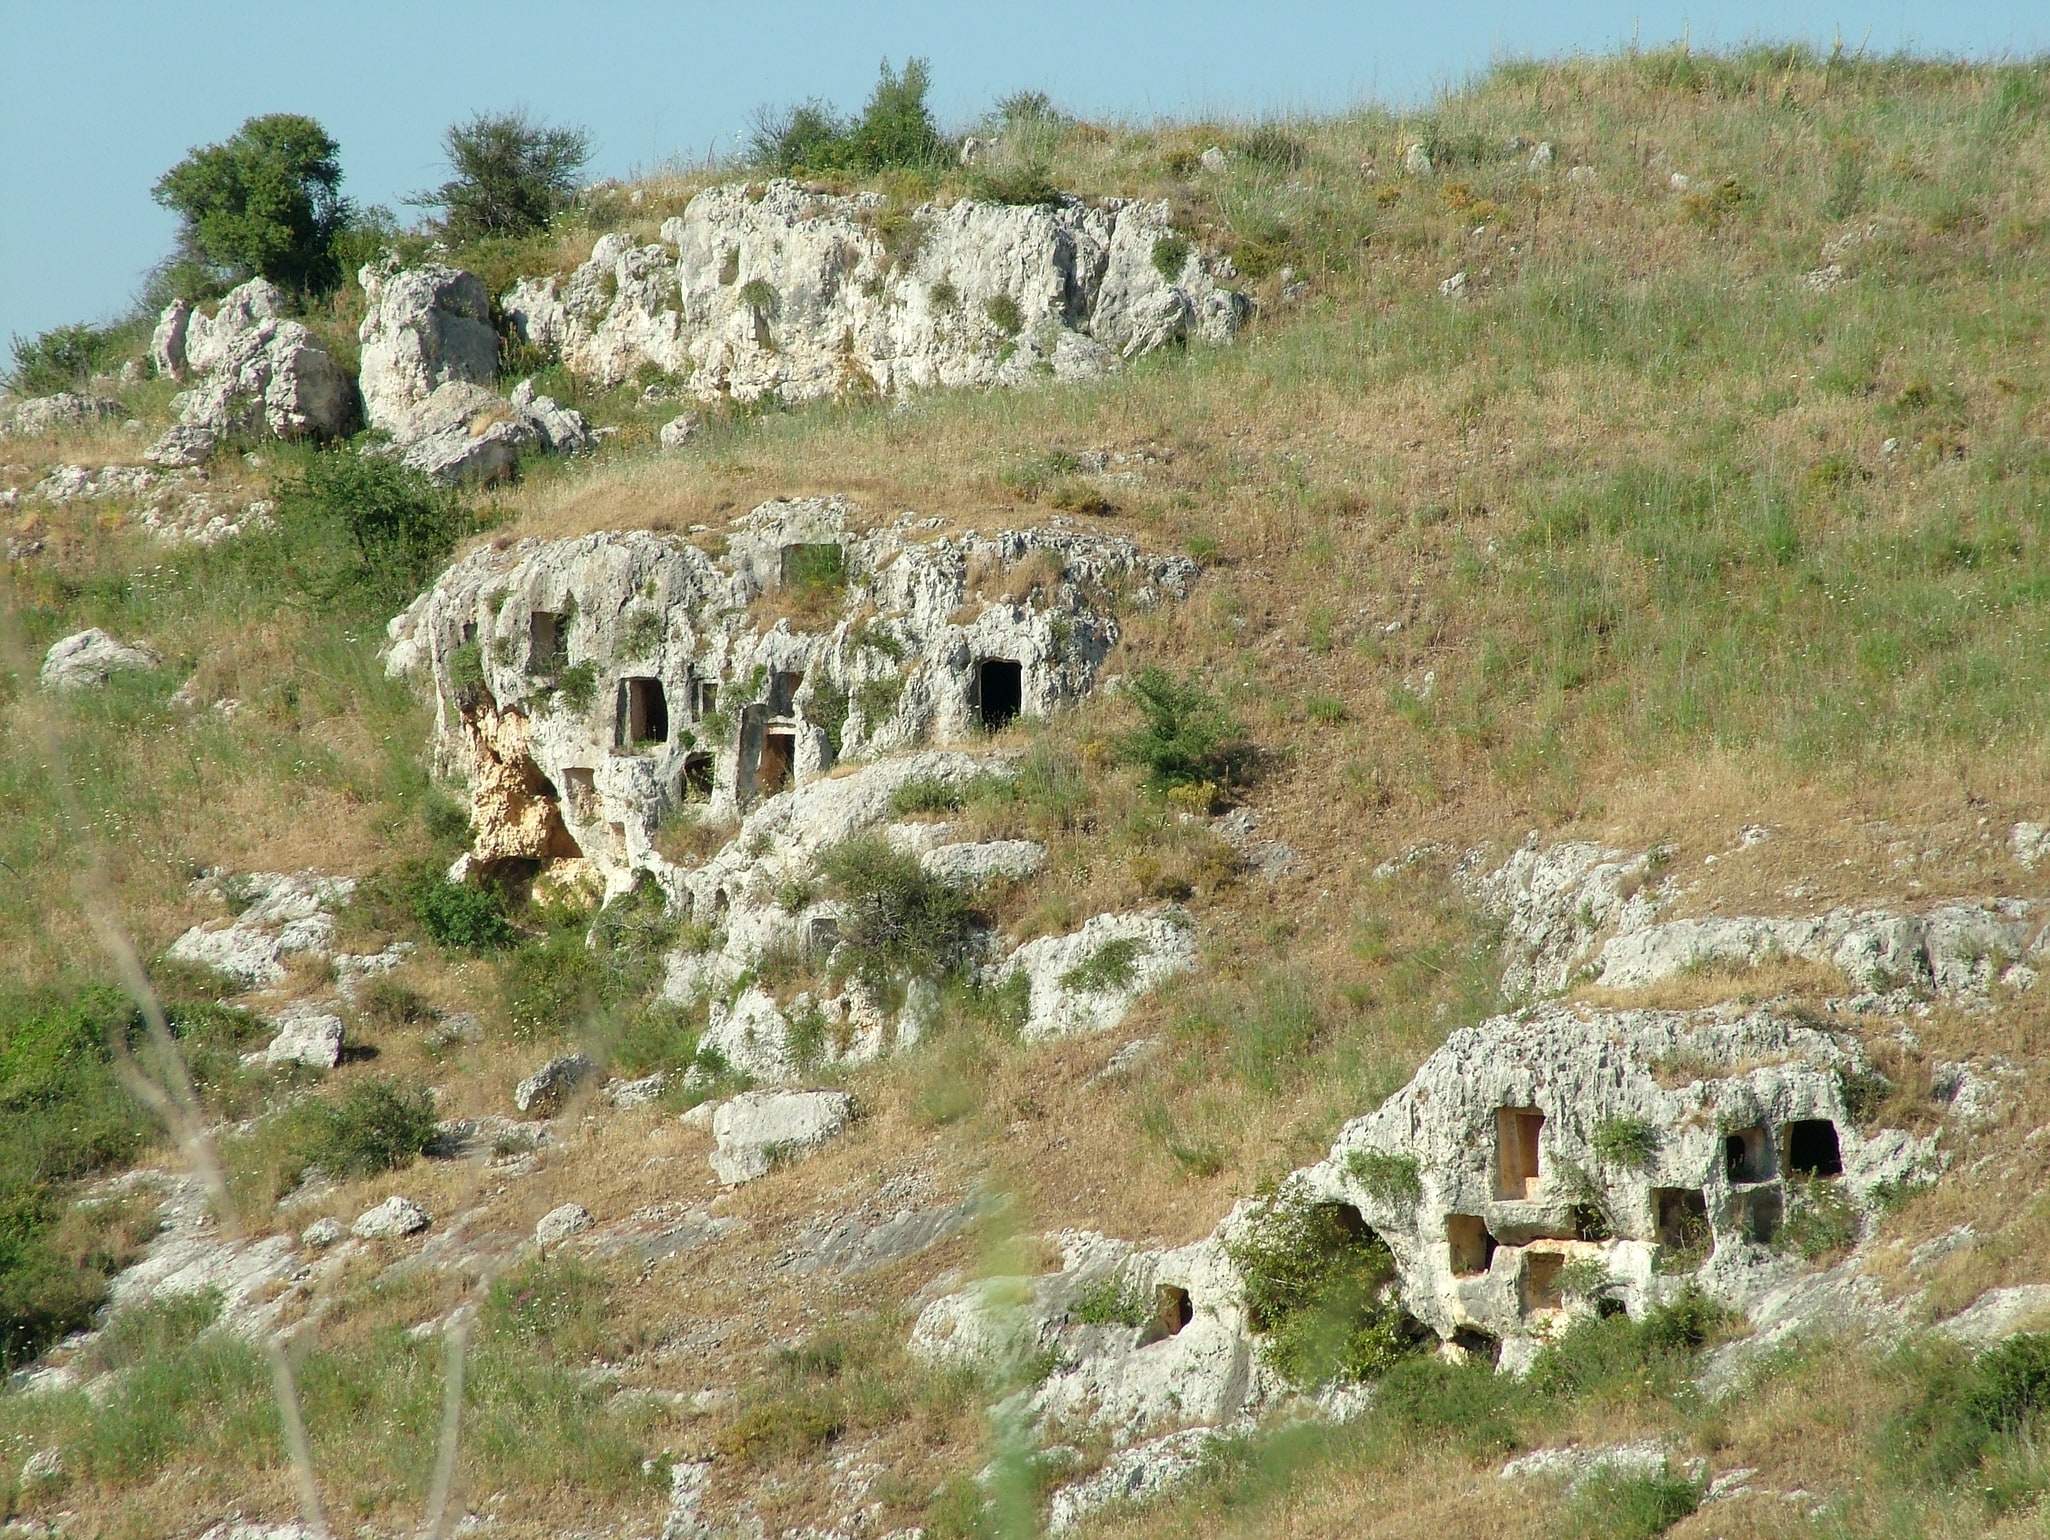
{"x":757,"y":1130}
{"x":559,"y":1224}
{"x":1089,"y":979}
{"x":257,"y":372}
{"x":390,"y":1220}
{"x":779,"y":288}
{"x":84,"y":659}
{"x":1575,"y":1467}
{"x":1554,"y":902}
{"x":279,"y":914}
{"x":2029,"y":842}
{"x":307,"y":1036}
{"x":425,"y":327}
{"x":52,"y":414}
{"x":1135,"y":1475}
{"x":679,"y":431}
{"x":976,"y":863}
{"x":322,"y":1234}
{"x":548,"y":1090}
{"x":73,"y":483}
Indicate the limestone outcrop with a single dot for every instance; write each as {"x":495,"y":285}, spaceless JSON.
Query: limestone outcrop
{"x":587,"y":688}
{"x":53,"y":414}
{"x":760,"y":288}
{"x":255,"y":371}
{"x":87,"y":658}
{"x":467,"y":433}
{"x":426,"y":327}
{"x":759,"y":1129}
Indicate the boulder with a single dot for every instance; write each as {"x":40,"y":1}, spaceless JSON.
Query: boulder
{"x":559,"y":1224}
{"x":426,"y":327}
{"x":167,"y":342}
{"x":306,"y":1035}
{"x":50,"y":414}
{"x":279,"y":913}
{"x":1088,"y":980}
{"x":679,"y":431}
{"x":321,"y":1234}
{"x":758,"y":1129}
{"x":257,"y":372}
{"x":85,"y":659}
{"x":550,"y":1087}
{"x":972,"y":865}
{"x":396,"y":1216}
{"x":466,"y":433}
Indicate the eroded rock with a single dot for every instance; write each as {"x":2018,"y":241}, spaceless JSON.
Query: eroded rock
{"x":425,"y":327}
{"x":392,"y":1219}
{"x":85,"y":659}
{"x":1088,"y":980}
{"x":757,"y":1130}
{"x":548,"y":1090}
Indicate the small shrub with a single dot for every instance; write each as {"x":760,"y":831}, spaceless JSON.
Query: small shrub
{"x":661,"y":1036}
{"x":1186,"y":736}
{"x":926,"y":794}
{"x":401,"y":526}
{"x":1170,"y":256}
{"x":1111,"y":1301}
{"x":878,"y":698}
{"x":1023,"y":183}
{"x":576,"y":687}
{"x":376,"y":1125}
{"x":1272,"y":145}
{"x":944,"y":295}
{"x":778,"y":1429}
{"x":1630,"y":1507}
{"x":551,"y":984}
{"x":1004,"y":314}
{"x":460,"y":917}
{"x":896,"y":130}
{"x":1321,"y":1289}
{"x":512,"y":175}
{"x":1325,"y":710}
{"x":67,"y":357}
{"x":1392,"y":1180}
{"x":1112,"y":966}
{"x":389,"y":1003}
{"x":1626,"y":1141}
{"x":900,"y":921}
{"x":760,"y":297}
{"x":641,"y":632}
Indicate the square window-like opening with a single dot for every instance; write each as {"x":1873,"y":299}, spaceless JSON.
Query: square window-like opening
{"x":708,"y":697}
{"x":779,"y":755}
{"x":783,"y":687}
{"x":1000,"y":691}
{"x":544,"y":639}
{"x":1472,"y":1248}
{"x":696,"y":780}
{"x":1541,"y":1290}
{"x":1516,"y":1151}
{"x":643,"y":714}
{"x":1682,"y":1218}
{"x":1747,"y":1155}
{"x":1812,"y":1148}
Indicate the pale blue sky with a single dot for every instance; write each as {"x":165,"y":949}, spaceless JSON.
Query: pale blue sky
{"x":98,"y":97}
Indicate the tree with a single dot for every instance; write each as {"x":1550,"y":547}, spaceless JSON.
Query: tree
{"x":267,"y":202}
{"x":512,"y":175}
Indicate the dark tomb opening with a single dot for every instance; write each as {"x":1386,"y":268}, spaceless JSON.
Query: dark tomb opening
{"x":1000,"y":691}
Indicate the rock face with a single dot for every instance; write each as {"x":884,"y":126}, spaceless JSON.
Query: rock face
{"x":395,"y":1217}
{"x":760,"y":288}
{"x":85,"y":659}
{"x":1088,"y":980}
{"x":308,"y":1036}
{"x":465,"y":433}
{"x":256,"y":371}
{"x":426,"y":327}
{"x":757,"y":1129}
{"x":52,"y":414}
{"x":550,"y":1087}
{"x":278,"y":914}
{"x":585,"y":687}
{"x":559,"y":1224}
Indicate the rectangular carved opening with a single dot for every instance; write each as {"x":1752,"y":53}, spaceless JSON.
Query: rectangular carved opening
{"x":1000,"y":691}
{"x":1473,"y":1249}
{"x":1516,"y":1151}
{"x":1812,"y":1148}
{"x":1759,"y":1214}
{"x":783,"y":687}
{"x":1682,"y":1217}
{"x":582,"y":787}
{"x":1541,"y":1271}
{"x":697,"y":778}
{"x":822,"y":935}
{"x":544,"y":639}
{"x":708,"y":697}
{"x":779,"y":754}
{"x":643,"y":715}
{"x":1747,"y":1155}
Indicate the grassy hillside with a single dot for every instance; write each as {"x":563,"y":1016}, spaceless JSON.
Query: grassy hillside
{"x":1718,"y":494}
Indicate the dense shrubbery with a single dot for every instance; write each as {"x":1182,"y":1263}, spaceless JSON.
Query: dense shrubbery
{"x":895,"y":131}
{"x":266,"y":202}
{"x":67,"y":357}
{"x":512,"y":175}
{"x":900,"y":921}
{"x":366,"y":526}
{"x":375,"y":1125}
{"x":1186,"y":736}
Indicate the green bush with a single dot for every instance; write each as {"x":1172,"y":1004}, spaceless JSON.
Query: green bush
{"x":42,"y":1294}
{"x":900,"y":922}
{"x":1170,"y":256}
{"x":1821,"y":1220}
{"x":758,"y":295}
{"x":1186,"y":735}
{"x":1428,"y":1399}
{"x":1630,"y":1507}
{"x":67,"y":357}
{"x":399,"y":526}
{"x":461,"y":917}
{"x":265,"y":202}
{"x":376,"y":1125}
{"x":1388,"y":1179}
{"x":927,"y":794}
{"x":512,"y":175}
{"x":1004,"y":314}
{"x":1321,"y":1290}
{"x":1112,"y":966}
{"x":1626,"y":1142}
{"x":551,"y":984}
{"x":1617,"y":1357}
{"x":1962,"y":1414}
{"x":895,"y":131}
{"x":1110,"y":1301}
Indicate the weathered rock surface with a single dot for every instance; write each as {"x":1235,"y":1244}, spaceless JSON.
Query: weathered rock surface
{"x":395,"y":1217}
{"x":425,"y":327}
{"x":548,"y":1090}
{"x":974,"y":863}
{"x":1554,"y":902}
{"x":321,"y":1234}
{"x":1134,"y":1475}
{"x":559,"y":1224}
{"x":758,"y":1129}
{"x":621,"y":676}
{"x":1088,"y":980}
{"x":85,"y":659}
{"x":257,"y":371}
{"x":52,"y":414}
{"x":278,"y":914}
{"x":756,"y":289}
{"x":306,"y":1035}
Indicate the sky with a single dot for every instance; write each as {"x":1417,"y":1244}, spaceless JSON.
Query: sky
{"x":99,"y":97}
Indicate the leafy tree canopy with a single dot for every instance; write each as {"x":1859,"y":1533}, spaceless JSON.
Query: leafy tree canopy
{"x":266,"y":202}
{"x":512,"y":175}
